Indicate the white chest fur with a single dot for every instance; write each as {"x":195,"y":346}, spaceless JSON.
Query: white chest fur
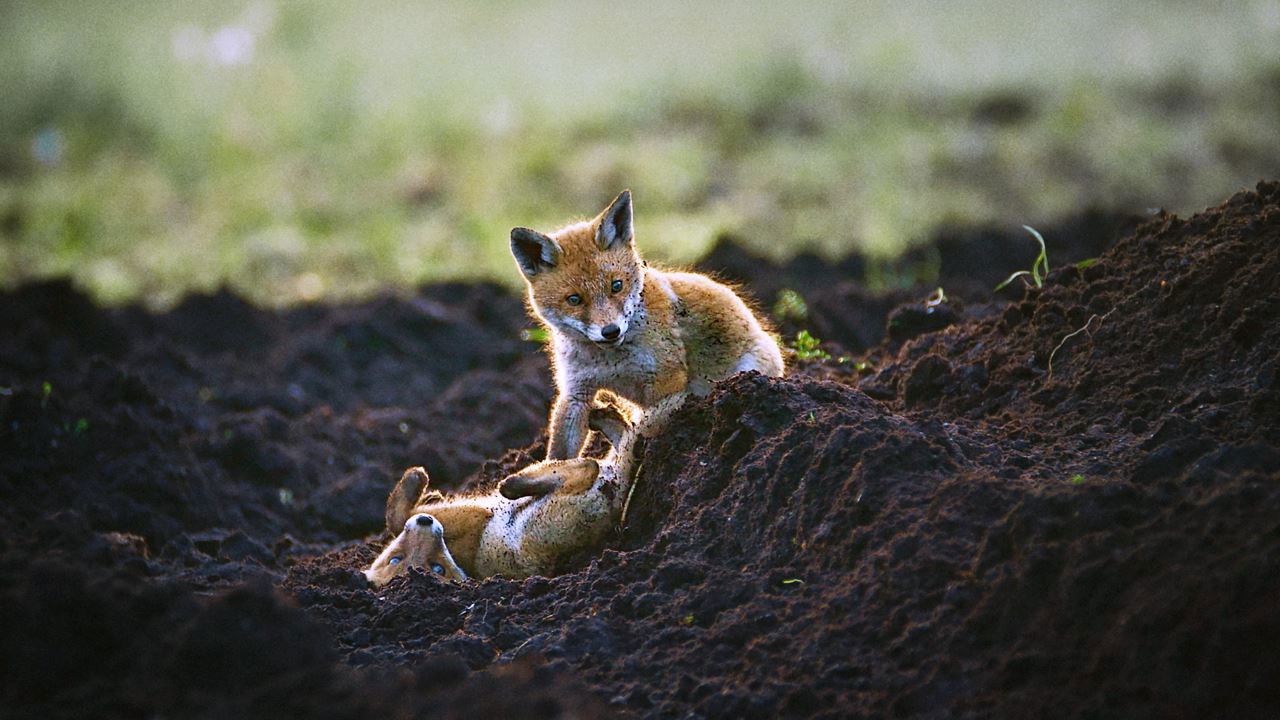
{"x":584,"y":367}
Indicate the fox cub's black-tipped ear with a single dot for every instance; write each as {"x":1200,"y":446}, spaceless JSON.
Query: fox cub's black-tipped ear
{"x":616,"y":226}
{"x":403,"y":496}
{"x":534,"y":252}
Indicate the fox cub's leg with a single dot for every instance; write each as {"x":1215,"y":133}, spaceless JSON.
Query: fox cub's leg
{"x":563,"y":477}
{"x":568,"y":431}
{"x":579,"y":476}
{"x":526,"y":484}
{"x":567,"y":477}
{"x":609,"y":421}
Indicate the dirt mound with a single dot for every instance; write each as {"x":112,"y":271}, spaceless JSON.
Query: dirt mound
{"x":966,"y":261}
{"x":1161,"y":350}
{"x":956,"y":529}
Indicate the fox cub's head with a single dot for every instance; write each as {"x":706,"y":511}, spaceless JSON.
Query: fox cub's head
{"x":585,"y":278}
{"x":420,"y":545}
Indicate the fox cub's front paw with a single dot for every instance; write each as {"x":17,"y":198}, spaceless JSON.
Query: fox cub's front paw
{"x":519,"y":486}
{"x":608,"y":419}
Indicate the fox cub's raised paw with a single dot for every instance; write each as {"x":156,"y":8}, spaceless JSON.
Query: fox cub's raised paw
{"x":551,"y":476}
{"x":527,"y":484}
{"x":609,"y":421}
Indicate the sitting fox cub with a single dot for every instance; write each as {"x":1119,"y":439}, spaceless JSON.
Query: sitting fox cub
{"x":543,"y":513}
{"x":620,"y":326}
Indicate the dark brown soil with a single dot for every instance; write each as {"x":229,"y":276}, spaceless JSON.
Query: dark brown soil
{"x":1061,"y":502}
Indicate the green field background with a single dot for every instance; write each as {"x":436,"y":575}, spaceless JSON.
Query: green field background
{"x":298,"y":151}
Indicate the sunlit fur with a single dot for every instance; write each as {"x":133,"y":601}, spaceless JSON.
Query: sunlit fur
{"x":680,"y":332}
{"x":553,"y":509}
{"x":417,"y":545}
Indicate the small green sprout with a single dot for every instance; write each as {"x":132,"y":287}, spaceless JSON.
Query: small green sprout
{"x":1036,"y":273}
{"x":862,"y":366}
{"x":1086,"y":264}
{"x":807,"y":346}
{"x":538,"y":335}
{"x":46,"y":389}
{"x":936,"y":298}
{"x":790,"y":306}
{"x":1077,"y":479}
{"x":687,"y":619}
{"x":81,"y":426}
{"x":793,"y":581}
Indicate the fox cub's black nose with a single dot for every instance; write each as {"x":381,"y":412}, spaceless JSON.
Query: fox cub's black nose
{"x":424,"y":520}
{"x":610,"y":332}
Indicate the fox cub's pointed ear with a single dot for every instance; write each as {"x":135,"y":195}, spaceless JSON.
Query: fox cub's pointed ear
{"x":413,"y":484}
{"x":534,"y":252}
{"x":616,"y":227}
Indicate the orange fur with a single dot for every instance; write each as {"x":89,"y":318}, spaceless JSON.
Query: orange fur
{"x":463,"y":525}
{"x":420,"y":544}
{"x":539,"y":515}
{"x":635,"y":332}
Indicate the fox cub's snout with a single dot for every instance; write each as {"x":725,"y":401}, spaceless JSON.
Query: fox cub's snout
{"x":590,"y":283}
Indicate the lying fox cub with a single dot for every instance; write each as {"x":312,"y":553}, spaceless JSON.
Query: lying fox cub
{"x":540,"y":515}
{"x":630,"y":330}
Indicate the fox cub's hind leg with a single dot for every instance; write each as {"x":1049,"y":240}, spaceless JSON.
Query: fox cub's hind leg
{"x":410,"y":492}
{"x":566,"y":477}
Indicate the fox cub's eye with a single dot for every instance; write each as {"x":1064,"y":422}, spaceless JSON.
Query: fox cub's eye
{"x":437,"y":568}
{"x":394,"y":561}
{"x":574,"y":299}
{"x":616,"y":286}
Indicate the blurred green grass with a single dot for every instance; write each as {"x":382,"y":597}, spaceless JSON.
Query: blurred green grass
{"x":304,"y":150}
